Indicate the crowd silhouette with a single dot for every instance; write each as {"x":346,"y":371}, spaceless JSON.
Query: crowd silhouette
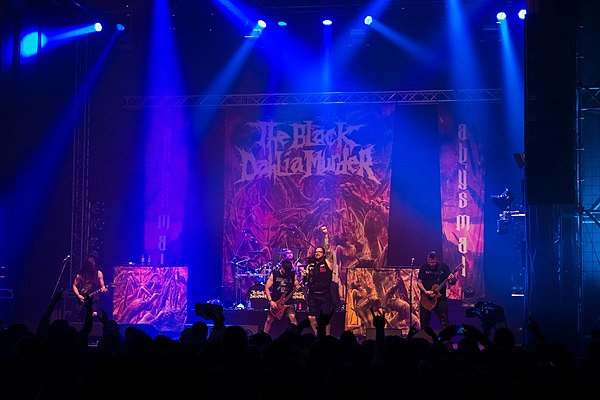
{"x":223,"y":362}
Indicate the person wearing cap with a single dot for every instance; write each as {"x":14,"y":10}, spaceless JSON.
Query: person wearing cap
{"x":431,"y":280}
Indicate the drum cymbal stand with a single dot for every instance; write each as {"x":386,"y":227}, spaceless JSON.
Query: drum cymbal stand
{"x":236,"y":263}
{"x":237,"y":275}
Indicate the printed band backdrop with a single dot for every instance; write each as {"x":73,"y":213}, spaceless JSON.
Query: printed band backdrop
{"x":289,"y":169}
{"x":292,"y":169}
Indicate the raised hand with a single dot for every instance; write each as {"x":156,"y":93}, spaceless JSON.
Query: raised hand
{"x":379,"y":320}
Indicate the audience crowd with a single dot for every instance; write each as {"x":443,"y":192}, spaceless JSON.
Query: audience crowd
{"x":226,"y":361}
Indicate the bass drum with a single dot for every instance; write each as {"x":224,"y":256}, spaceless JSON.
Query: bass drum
{"x":257,"y":297}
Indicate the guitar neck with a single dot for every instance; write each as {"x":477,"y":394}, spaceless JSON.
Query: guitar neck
{"x":441,"y":285}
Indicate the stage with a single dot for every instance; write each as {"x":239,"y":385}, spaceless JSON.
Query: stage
{"x":254,"y":320}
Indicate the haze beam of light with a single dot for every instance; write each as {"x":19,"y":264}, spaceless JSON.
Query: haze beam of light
{"x":404,"y":43}
{"x":74,"y":33}
{"x":513,"y":90}
{"x":341,"y":52}
{"x":465,"y":70}
{"x":36,"y":179}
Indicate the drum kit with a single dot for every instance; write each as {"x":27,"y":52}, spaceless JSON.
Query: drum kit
{"x":251,"y":274}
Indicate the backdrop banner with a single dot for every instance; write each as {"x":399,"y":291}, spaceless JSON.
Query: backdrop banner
{"x":291,"y":169}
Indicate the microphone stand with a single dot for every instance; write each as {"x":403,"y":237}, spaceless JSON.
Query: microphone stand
{"x":62,"y":270}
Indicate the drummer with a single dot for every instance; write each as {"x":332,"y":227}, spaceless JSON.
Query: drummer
{"x":288,"y":254}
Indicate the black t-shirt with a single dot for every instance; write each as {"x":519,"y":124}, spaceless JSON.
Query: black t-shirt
{"x":434,"y":275}
{"x":283,"y":283}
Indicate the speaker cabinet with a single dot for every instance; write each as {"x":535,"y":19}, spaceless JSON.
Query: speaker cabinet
{"x":550,"y":168}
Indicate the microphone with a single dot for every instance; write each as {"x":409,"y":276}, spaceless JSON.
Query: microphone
{"x":66,"y":258}
{"x":412,"y":261}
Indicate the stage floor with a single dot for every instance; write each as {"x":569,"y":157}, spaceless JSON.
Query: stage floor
{"x":254,"y":321}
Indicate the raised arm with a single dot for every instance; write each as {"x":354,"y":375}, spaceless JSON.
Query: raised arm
{"x":327,"y":246}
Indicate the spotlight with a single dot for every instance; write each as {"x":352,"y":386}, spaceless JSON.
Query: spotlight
{"x":120,"y":27}
{"x":282,"y":23}
{"x":368,"y":20}
{"x":522,"y":14}
{"x":501,"y":16}
{"x":98,"y":26}
{"x":257,"y":30}
{"x":327,"y":22}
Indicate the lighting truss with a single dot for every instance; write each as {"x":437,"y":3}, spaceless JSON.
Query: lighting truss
{"x":397,"y":97}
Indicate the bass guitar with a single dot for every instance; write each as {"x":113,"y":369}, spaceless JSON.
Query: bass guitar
{"x":279,"y":308}
{"x":429,"y":301}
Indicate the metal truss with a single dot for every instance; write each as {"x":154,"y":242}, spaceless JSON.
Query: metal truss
{"x":588,"y":100}
{"x":280,"y":99}
{"x":133,"y":6}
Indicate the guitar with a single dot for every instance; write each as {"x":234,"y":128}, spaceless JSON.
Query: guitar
{"x":429,"y":301}
{"x":95,"y":292}
{"x":279,"y":308}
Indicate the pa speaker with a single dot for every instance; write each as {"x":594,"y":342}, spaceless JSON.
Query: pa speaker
{"x":550,"y":168}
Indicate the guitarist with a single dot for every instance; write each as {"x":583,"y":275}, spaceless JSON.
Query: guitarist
{"x":432,"y":277}
{"x":282,"y":282}
{"x":89,"y":279}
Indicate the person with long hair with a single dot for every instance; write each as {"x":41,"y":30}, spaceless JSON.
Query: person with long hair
{"x":88,"y":282}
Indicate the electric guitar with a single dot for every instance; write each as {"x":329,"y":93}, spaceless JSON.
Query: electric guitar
{"x":429,"y":301}
{"x":95,"y":292}
{"x":279,"y":308}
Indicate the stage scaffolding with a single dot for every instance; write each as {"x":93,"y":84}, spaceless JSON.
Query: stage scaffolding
{"x":281,"y":99}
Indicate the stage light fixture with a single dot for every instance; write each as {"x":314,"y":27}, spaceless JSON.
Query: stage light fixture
{"x":282,"y":23}
{"x":504,"y":200}
{"x":120,"y":27}
{"x":327,"y":22}
{"x":501,"y":16}
{"x":522,"y":14}
{"x":257,"y":30}
{"x":368,"y":20}
{"x":98,"y":26}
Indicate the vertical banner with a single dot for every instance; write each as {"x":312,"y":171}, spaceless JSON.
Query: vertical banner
{"x":462,"y":173}
{"x":166,"y":182}
{"x":292,"y":169}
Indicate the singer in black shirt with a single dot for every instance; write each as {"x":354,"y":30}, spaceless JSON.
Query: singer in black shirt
{"x":318,"y":276}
